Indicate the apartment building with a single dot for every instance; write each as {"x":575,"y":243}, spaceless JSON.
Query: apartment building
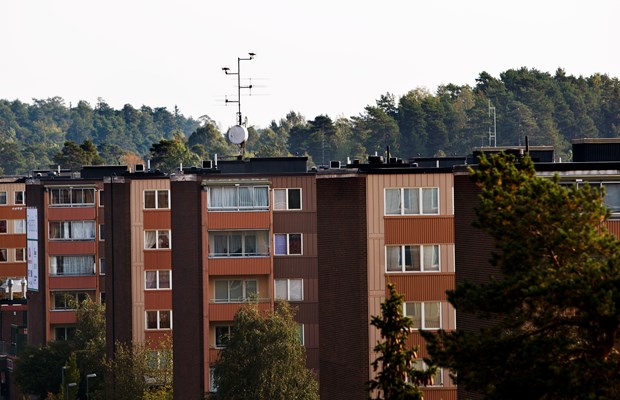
{"x":377,"y":223}
{"x":185,"y":252}
{"x":66,"y":243}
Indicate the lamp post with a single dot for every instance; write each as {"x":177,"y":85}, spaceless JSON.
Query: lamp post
{"x":69,"y":385}
{"x":63,"y":378}
{"x":87,"y":386}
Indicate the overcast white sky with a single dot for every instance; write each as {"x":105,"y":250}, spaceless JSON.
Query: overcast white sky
{"x":316,"y":57}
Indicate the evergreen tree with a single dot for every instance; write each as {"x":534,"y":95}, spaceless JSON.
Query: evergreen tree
{"x":552,"y":314}
{"x":397,"y":377}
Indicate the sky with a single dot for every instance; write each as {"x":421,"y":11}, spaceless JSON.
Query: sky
{"x":319,"y":57}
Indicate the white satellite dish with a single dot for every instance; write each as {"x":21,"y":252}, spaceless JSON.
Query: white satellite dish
{"x":238,"y":134}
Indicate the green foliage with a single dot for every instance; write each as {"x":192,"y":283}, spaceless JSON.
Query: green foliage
{"x":38,"y":369}
{"x":552,"y":315}
{"x":168,"y":155}
{"x":69,"y":388}
{"x":141,"y":371}
{"x":74,"y":157}
{"x":264,"y":359}
{"x":396,"y":375}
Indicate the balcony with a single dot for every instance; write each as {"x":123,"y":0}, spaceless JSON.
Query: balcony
{"x":227,"y":311}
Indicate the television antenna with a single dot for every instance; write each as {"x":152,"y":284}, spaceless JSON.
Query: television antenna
{"x":493,"y":133}
{"x":238,"y":134}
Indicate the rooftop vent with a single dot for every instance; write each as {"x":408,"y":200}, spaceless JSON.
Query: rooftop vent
{"x":375,"y":159}
{"x":207,"y":164}
{"x":139,"y":168}
{"x":334,"y":164}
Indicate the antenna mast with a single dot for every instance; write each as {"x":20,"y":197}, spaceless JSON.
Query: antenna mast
{"x":492,"y":134}
{"x":226,"y":70}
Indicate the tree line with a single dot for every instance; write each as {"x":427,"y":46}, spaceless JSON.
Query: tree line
{"x":548,"y":109}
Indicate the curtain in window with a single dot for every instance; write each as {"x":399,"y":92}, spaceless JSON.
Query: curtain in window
{"x":296,"y":290}
{"x":411,"y":201}
{"x":393,"y":258}
{"x":261,"y":197}
{"x":220,"y":245}
{"x":77,"y":230}
{"x":89,"y":230}
{"x":221,"y":291}
{"x":3,"y":255}
{"x":280,"y":244}
{"x":251,"y":289}
{"x":149,"y":199}
{"x":245,"y":197}
{"x":162,"y":199}
{"x":392,"y":201}
{"x":235,"y":245}
{"x":53,"y":265}
{"x":413,"y":310}
{"x":151,"y":279}
{"x":163,"y":239}
{"x":150,"y":239}
{"x":229,"y":197}
{"x":431,"y":258}
{"x":215,"y":197}
{"x":88,"y":196}
{"x":250,"y":245}
{"x":432,"y":315}
{"x":72,"y":265}
{"x":2,"y":197}
{"x":430,"y":201}
{"x":164,"y":279}
{"x":55,"y":230}
{"x":20,"y":226}
{"x":281,"y":290}
{"x":279,"y":199}
{"x":235,"y":290}
{"x":262,"y":240}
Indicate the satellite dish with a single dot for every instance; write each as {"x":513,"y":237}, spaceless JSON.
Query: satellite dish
{"x":238,"y":134}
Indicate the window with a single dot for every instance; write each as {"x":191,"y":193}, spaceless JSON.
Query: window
{"x":19,"y":198}
{"x":72,"y":265}
{"x":425,"y":315}
{"x":158,"y":279}
{"x":64,"y":333}
{"x":102,"y":297}
{"x":2,"y":198}
{"x":287,"y":244}
{"x":212,"y":384}
{"x":156,"y":199}
{"x":20,"y":255}
{"x":101,"y":198}
{"x":437,"y":378}
{"x":222,"y":334}
{"x":157,"y":239}
{"x":411,"y":201}
{"x":159,"y":319}
{"x":72,"y":197}
{"x":300,"y":332}
{"x":19,"y":226}
{"x":238,"y":243}
{"x":4,"y":255}
{"x":412,"y":258}
{"x":612,"y":196}
{"x":287,"y":199}
{"x":101,"y":232}
{"x":102,"y":266}
{"x":238,"y":198}
{"x":233,"y":291}
{"x":3,"y":226}
{"x":67,"y":300}
{"x":289,"y":289}
{"x":72,"y":230}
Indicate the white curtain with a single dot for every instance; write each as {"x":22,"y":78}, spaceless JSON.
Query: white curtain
{"x":432,"y":315}
{"x":150,"y":239}
{"x":279,"y":199}
{"x":430,"y":200}
{"x":261,"y":197}
{"x":431,"y":257}
{"x":296,"y":292}
{"x":392,"y":201}
{"x":411,"y":201}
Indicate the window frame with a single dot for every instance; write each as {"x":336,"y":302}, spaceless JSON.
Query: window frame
{"x":23,"y":198}
{"x":421,"y":204}
{"x":23,"y":257}
{"x":5,"y":224}
{"x":69,"y":333}
{"x":213,"y":246}
{"x":71,"y":194}
{"x":236,"y":207}
{"x":288,"y":297}
{"x":219,"y":344}
{"x":101,"y":233}
{"x":101,"y":265}
{"x":71,"y":224}
{"x":158,"y":273}
{"x":288,"y":244}
{"x":421,"y":262}
{"x":158,"y":314}
{"x":4,"y":255}
{"x":86,"y":270}
{"x":246,"y":294}
{"x":67,"y":296}
{"x":287,"y":207}
{"x":157,"y":239}
{"x":21,"y":225}
{"x":156,"y":199}
{"x":3,"y":198}
{"x":423,"y":311}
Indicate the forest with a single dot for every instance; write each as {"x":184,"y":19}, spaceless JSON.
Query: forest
{"x":548,"y":109}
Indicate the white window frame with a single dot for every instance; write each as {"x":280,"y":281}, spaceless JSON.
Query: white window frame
{"x":86,"y":269}
{"x":23,"y":257}
{"x":70,"y":226}
{"x":3,"y":198}
{"x":288,"y":244}
{"x":158,"y":273}
{"x":423,"y":314}
{"x":262,"y":237}
{"x":101,"y":266}
{"x":215,"y":335}
{"x":420,"y":197}
{"x":23,"y":198}
{"x":100,"y":197}
{"x":421,"y":262}
{"x":101,"y":232}
{"x":246,"y":293}
{"x":236,"y":206}
{"x":4,"y":255}
{"x":288,"y":297}
{"x":156,"y":193}
{"x":301,"y":330}
{"x":157,"y":244}
{"x":419,"y":364}
{"x":71,"y":194}
{"x":66,"y":333}
{"x":158,"y":313}
{"x":19,"y":226}
{"x":286,"y":206}
{"x":78,"y":296}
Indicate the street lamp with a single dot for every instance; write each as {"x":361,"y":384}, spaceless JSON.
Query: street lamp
{"x":63,"y":377}
{"x":87,"y":386}
{"x":69,"y":385}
